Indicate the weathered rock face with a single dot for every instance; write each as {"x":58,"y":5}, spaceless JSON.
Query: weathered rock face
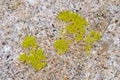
{"x":19,"y":18}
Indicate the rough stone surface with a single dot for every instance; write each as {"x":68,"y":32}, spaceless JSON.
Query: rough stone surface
{"x":19,"y":18}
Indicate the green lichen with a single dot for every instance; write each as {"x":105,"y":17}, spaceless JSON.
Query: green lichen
{"x":65,"y":16}
{"x":92,"y":37}
{"x":35,"y":57}
{"x":89,"y":39}
{"x":87,"y":48}
{"x":79,"y":37}
{"x":69,"y":16}
{"x":29,"y":41}
{"x":72,"y":29}
{"x":62,"y":33}
{"x":23,"y":58}
{"x":61,"y":45}
{"x":76,"y":25}
{"x":96,"y":36}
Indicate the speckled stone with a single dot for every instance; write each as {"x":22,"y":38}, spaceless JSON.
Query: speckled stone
{"x":19,"y":18}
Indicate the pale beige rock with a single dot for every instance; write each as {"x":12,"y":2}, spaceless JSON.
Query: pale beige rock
{"x":19,"y":18}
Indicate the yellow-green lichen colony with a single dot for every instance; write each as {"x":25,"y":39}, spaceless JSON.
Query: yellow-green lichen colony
{"x":35,"y":57}
{"x":76,"y":25}
{"x":61,"y":45}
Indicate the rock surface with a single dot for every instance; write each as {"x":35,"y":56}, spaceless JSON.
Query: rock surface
{"x":19,"y":18}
